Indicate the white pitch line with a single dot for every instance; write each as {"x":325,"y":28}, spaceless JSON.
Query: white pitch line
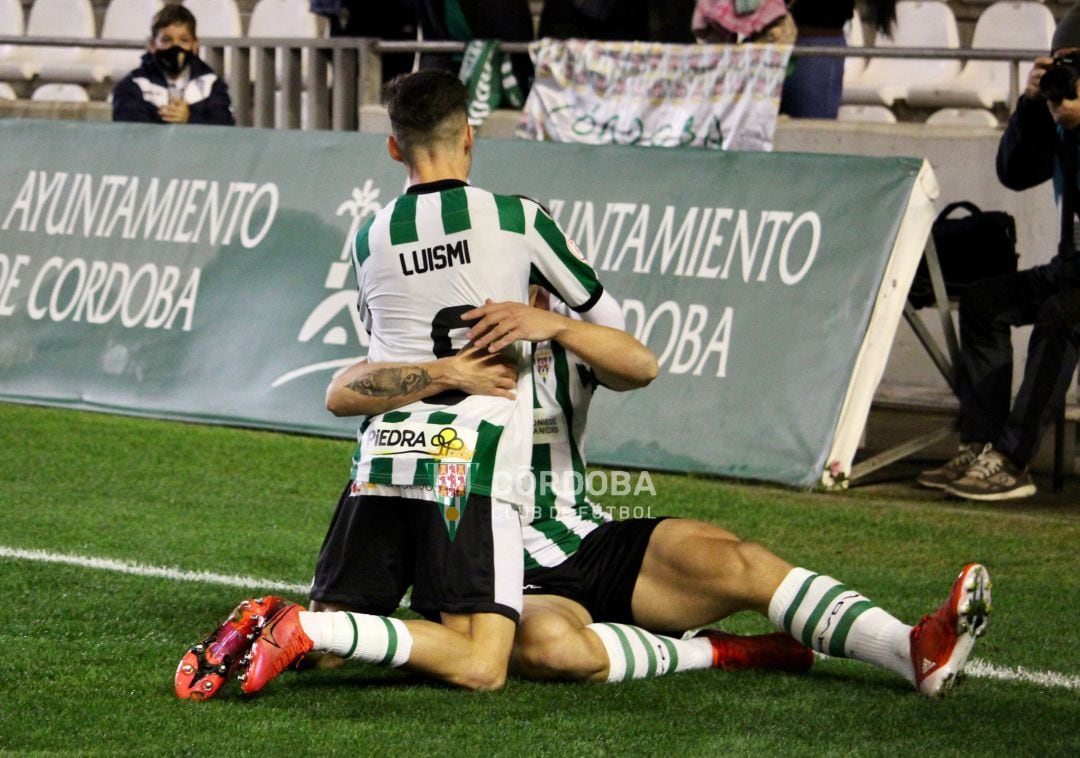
{"x":976,"y":668}
{"x":163,"y":572}
{"x":983,"y":670}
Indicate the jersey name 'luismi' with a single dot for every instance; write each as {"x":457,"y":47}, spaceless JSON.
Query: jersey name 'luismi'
{"x":435,"y":258}
{"x":422,"y":261}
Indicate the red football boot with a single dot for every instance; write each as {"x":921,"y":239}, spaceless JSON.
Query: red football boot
{"x":775,"y":651}
{"x":942,"y":641}
{"x":208,"y":664}
{"x":281,"y":641}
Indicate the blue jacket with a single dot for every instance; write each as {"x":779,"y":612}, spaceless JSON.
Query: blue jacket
{"x":138,"y":95}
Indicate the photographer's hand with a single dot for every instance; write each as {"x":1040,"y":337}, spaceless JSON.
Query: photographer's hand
{"x":1032,"y":89}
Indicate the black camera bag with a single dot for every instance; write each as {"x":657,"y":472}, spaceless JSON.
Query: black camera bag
{"x":976,"y":246}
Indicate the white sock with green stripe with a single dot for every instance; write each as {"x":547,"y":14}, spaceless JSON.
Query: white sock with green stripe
{"x":375,"y":639}
{"x":634,"y":653}
{"x":833,"y":619}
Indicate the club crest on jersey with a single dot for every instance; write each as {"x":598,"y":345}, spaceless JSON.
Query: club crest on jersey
{"x":451,"y":482}
{"x":435,"y":258}
{"x":542,"y":359}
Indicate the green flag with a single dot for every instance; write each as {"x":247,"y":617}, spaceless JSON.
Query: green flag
{"x":489,"y":78}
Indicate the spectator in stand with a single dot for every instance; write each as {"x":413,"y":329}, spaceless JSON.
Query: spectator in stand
{"x":389,"y":21}
{"x":727,"y":22}
{"x":465,"y":20}
{"x":813,"y":88}
{"x":173,"y":85}
{"x":651,"y":20}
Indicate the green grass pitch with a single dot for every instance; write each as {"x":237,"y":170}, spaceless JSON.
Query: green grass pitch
{"x":89,"y":654}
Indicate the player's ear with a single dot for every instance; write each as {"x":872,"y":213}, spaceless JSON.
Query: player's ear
{"x":470,"y":137}
{"x":394,"y":149}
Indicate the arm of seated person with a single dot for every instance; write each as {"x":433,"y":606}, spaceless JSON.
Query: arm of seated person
{"x":129,"y":105}
{"x":1026,"y":151}
{"x":366,"y":389}
{"x":216,"y":109}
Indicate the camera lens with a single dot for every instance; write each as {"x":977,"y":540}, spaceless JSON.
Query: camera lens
{"x":1059,"y":82}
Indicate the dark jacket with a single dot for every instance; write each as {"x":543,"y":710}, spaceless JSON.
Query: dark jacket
{"x":1028,"y":156}
{"x":326,"y":7}
{"x":831,"y":14}
{"x":1027,"y":152}
{"x":138,"y":95}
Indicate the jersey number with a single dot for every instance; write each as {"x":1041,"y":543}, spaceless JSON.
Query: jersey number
{"x":441,"y":346}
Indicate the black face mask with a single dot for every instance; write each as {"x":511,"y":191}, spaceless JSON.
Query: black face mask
{"x":172,"y":59}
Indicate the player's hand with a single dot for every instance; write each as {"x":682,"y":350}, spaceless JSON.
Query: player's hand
{"x":502,"y":324}
{"x":176,"y":112}
{"x":1032,"y":89}
{"x":476,"y":371}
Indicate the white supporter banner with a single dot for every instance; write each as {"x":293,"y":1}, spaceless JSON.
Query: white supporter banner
{"x":651,"y":94}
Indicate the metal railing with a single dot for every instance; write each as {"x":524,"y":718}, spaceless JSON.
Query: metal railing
{"x":340,"y":75}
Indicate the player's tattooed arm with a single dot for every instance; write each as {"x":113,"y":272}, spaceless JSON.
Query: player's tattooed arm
{"x":394,"y":381}
{"x":365,"y":389}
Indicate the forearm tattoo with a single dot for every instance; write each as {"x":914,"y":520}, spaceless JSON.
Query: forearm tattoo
{"x":391,"y":382}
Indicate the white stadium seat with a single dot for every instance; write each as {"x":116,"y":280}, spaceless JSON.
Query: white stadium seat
{"x":963,"y":117}
{"x":66,"y":93}
{"x":216,"y":18}
{"x":853,"y":35}
{"x":125,"y":20}
{"x":283,"y":18}
{"x":58,"y":18}
{"x":6,"y":92}
{"x":872,"y":114}
{"x":919,"y":23}
{"x":12,"y":24}
{"x":981,"y":84}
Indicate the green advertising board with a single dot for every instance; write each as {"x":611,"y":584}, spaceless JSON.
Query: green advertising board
{"x":203,"y":273}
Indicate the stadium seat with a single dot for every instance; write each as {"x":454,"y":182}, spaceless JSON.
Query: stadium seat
{"x":217,"y":18}
{"x":7,"y":92}
{"x":12,"y":24}
{"x":125,"y":20}
{"x":283,"y":18}
{"x":873,"y":114}
{"x":853,"y":35}
{"x":58,"y":18}
{"x":963,"y":117}
{"x":919,"y":23}
{"x":981,"y":84}
{"x":67,"y":93}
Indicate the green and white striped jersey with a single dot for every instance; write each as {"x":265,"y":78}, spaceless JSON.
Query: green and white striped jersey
{"x":560,"y":515}
{"x":423,"y":260}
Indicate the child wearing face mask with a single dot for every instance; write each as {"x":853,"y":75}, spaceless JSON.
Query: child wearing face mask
{"x":173,"y":85}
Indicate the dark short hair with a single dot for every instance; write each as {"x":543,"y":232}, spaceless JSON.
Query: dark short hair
{"x":425,"y":107}
{"x":173,"y":14}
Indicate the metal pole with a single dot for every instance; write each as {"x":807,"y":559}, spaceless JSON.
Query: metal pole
{"x":264,"y":87}
{"x":292,"y":86}
{"x":240,"y":85}
{"x":318,"y":89}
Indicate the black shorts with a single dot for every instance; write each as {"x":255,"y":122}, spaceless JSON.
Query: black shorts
{"x":601,"y":575}
{"x":378,"y":546}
